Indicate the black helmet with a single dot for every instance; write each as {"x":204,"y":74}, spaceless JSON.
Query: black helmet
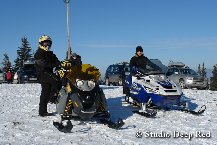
{"x":42,"y":39}
{"x":74,"y":55}
{"x":139,"y":48}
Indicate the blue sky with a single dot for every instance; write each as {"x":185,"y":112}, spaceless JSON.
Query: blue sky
{"x":104,"y":32}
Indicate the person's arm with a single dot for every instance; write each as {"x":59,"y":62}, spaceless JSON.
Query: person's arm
{"x":132,"y":63}
{"x":42,"y":61}
{"x":133,"y":66}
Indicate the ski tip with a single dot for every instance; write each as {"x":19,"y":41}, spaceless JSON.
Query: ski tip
{"x":65,"y":129}
{"x":151,"y":114}
{"x":114,"y":125}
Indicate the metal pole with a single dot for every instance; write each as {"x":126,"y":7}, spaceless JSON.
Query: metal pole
{"x":68,"y":29}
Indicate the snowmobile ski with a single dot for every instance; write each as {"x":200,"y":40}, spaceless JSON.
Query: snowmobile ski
{"x":66,"y":129}
{"x":111,"y":124}
{"x":148,"y":114}
{"x":200,"y":111}
{"x":183,"y":109}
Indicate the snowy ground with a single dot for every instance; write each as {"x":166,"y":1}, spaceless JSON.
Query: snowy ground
{"x":21,"y":125}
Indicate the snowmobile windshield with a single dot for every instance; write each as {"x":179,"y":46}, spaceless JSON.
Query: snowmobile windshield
{"x":149,"y":71}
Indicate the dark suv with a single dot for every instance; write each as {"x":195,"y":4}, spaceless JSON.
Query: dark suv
{"x":116,"y":73}
{"x":27,"y":74}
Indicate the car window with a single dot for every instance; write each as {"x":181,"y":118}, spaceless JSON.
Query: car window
{"x":29,"y":67}
{"x":1,"y":71}
{"x":172,"y":71}
{"x":175,"y":71}
{"x":108,"y":69}
{"x":193,"y":72}
{"x":188,"y":71}
{"x":127,"y":69}
{"x":121,"y":68}
{"x":184,"y":71}
{"x":116,"y":69}
{"x":112,"y":69}
{"x":169,"y":72}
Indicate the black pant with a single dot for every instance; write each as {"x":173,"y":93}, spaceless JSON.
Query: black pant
{"x":50,"y":87}
{"x":9,"y":81}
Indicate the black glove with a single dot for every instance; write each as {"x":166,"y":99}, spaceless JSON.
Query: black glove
{"x":66,"y":64}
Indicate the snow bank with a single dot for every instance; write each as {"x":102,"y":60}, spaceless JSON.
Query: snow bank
{"x":21,"y":125}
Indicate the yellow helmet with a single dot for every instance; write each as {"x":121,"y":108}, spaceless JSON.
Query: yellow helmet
{"x":43,"y":45}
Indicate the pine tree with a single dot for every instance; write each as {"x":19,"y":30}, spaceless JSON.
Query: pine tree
{"x":203,"y":70}
{"x":6,"y":62}
{"x":23,"y":53}
{"x":199,"y":70}
{"x":213,"y":79}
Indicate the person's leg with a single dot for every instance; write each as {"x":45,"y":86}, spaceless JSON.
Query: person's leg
{"x":55,"y":88}
{"x":44,"y":98}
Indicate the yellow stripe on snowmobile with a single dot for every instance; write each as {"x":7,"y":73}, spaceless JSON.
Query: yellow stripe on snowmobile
{"x":76,"y":104}
{"x":68,"y":88}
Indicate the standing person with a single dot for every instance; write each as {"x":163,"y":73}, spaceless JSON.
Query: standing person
{"x":9,"y":77}
{"x":141,"y":62}
{"x":46,"y":61}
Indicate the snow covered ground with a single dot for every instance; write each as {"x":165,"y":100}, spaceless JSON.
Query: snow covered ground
{"x":21,"y":125}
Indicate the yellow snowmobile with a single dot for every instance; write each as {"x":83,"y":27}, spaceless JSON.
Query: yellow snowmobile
{"x":82,"y":98}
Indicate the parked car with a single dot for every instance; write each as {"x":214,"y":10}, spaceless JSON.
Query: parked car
{"x":116,"y":73}
{"x":1,"y":76}
{"x":186,"y":77}
{"x":26,"y":74}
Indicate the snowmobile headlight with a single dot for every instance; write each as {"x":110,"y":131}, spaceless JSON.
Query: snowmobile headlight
{"x":79,"y":83}
{"x":91,"y":84}
{"x":160,"y":77}
{"x":189,"y":78}
{"x":152,"y":77}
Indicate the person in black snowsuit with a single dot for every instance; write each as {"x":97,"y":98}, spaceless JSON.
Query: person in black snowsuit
{"x":139,"y":61}
{"x":45,"y":62}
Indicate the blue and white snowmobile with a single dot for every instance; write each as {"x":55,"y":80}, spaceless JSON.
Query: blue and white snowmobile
{"x":152,"y":89}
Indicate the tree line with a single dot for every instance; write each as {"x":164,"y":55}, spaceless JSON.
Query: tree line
{"x":25,"y":53}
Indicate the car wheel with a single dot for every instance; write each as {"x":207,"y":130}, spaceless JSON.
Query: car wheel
{"x":107,"y":83}
{"x":182,"y":83}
